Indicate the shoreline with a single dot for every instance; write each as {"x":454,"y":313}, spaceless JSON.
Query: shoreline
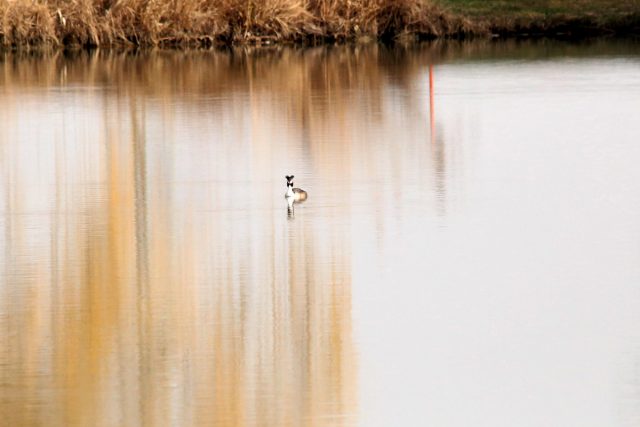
{"x":203,"y":24}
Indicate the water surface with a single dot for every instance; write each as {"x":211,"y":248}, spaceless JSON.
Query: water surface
{"x":468,"y":254}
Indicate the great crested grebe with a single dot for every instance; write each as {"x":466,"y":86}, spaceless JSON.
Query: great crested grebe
{"x":294,"y":194}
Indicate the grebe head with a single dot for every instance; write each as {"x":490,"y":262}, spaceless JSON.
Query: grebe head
{"x":289,"y":193}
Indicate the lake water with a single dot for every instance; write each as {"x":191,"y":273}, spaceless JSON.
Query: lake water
{"x":469,"y":253}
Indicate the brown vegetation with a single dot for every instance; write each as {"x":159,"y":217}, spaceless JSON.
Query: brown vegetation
{"x":206,"y":22}
{"x":209,"y":22}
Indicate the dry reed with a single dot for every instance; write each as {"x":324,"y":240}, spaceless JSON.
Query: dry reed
{"x":208,"y":22}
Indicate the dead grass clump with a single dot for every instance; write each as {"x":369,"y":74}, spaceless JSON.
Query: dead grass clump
{"x":388,"y":19}
{"x":423,"y":18}
{"x":26,"y":22}
{"x":248,"y":20}
{"x":75,"y":22}
{"x":342,"y":19}
{"x":137,"y":22}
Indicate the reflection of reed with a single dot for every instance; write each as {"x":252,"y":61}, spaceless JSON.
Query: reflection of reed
{"x":218,"y":73}
{"x":148,"y":262}
{"x":432,"y":106}
{"x":136,"y":293}
{"x":192,"y":73}
{"x":438,"y":151}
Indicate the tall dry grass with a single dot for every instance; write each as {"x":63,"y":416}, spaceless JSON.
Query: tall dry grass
{"x":206,"y":22}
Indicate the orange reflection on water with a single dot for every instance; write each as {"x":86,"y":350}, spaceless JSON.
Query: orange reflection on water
{"x":152,"y":274}
{"x":134,"y":293}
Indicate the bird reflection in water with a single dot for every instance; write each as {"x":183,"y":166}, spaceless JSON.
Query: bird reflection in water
{"x":291,"y":213}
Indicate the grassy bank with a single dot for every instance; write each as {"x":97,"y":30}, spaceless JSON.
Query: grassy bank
{"x":209,"y":22}
{"x":550,"y":17}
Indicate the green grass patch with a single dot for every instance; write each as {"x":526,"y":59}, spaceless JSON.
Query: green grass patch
{"x":491,"y":9}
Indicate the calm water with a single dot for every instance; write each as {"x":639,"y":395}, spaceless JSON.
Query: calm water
{"x":469,"y":253}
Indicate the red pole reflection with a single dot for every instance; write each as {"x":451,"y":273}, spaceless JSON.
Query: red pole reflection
{"x":432,"y":113}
